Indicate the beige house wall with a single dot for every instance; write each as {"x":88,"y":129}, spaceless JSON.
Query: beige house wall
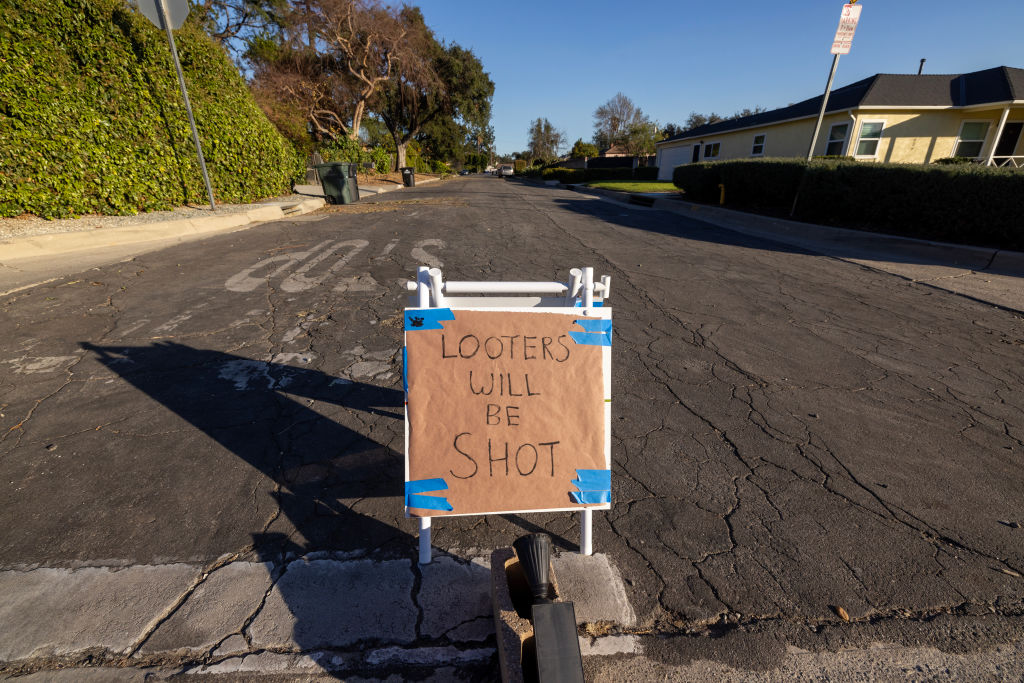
{"x":923,"y":136}
{"x":908,"y":136}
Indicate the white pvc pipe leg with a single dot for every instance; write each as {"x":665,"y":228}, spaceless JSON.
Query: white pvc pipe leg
{"x":586,"y":532}
{"x":425,"y":540}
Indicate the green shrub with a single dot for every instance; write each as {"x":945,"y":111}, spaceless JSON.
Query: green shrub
{"x":345,"y":149}
{"x":765,"y":184}
{"x":93,"y":120}
{"x":645,"y":173}
{"x":584,"y":175}
{"x":954,"y":161}
{"x":440,"y":167}
{"x":381,"y":159}
{"x":968,"y":204}
{"x":699,"y":181}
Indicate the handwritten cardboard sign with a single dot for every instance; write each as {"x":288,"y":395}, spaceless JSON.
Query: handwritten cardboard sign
{"x":507,"y":410}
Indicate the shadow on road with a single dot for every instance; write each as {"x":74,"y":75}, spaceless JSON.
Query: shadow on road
{"x":851,"y":243}
{"x":255,"y":410}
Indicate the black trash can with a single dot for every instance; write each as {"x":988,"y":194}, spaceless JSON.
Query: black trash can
{"x":341,"y":186}
{"x":408,"y":176}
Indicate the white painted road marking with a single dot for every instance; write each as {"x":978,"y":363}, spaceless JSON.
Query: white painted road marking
{"x":263,"y":272}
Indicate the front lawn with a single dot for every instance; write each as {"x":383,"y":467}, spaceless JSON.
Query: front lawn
{"x":630,"y":186}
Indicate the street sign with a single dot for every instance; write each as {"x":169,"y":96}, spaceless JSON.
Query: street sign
{"x":847,"y":25}
{"x":177,"y":11}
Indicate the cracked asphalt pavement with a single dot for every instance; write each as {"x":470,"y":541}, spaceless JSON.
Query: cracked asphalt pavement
{"x":808,"y":454}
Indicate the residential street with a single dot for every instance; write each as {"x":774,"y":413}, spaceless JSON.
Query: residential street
{"x":809,"y":456}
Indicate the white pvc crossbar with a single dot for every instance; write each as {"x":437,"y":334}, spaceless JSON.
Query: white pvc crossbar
{"x":471,"y":287}
{"x":430,"y":285}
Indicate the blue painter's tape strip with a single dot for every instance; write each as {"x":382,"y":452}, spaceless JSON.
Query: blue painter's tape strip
{"x":595,"y":325}
{"x":416,"y":500}
{"x":597,"y":304}
{"x":425,"y":485}
{"x":427,"y":319}
{"x":593,"y":480}
{"x":405,"y":369}
{"x":591,"y":497}
{"x":592,"y":338}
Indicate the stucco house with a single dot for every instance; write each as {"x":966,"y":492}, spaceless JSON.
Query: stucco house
{"x":900,"y":118}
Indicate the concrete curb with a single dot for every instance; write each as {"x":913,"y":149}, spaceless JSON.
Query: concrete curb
{"x":178,"y":230}
{"x":510,"y":629}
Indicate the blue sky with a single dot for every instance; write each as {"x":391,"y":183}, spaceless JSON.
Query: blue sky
{"x":561,"y":60}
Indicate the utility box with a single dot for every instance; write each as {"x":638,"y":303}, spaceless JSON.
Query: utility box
{"x":339,"y":181}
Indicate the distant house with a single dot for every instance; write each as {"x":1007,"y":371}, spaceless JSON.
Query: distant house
{"x":615,"y":151}
{"x":900,"y":118}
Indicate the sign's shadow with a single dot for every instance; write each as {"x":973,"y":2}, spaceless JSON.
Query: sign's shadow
{"x":254,"y":409}
{"x":318,"y":466}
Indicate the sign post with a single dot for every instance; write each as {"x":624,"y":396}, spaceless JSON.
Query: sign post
{"x":171,"y":14}
{"x":840,"y":46}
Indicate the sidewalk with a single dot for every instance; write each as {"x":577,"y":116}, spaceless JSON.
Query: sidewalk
{"x":34,"y":251}
{"x":987,"y":275}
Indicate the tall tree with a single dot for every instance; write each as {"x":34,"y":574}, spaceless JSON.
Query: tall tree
{"x":328,"y":60}
{"x":583,"y":149}
{"x":640,"y":138}
{"x":233,"y":22}
{"x":613,"y":120}
{"x":694,"y":120}
{"x":431,"y":81}
{"x":544,"y":140}
{"x":671,"y":130}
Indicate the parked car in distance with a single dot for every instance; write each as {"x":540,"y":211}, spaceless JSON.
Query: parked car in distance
{"x":505,"y":171}
{"x":463,"y":172}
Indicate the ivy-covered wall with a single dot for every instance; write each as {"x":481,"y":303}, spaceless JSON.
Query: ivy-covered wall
{"x":92,"y":119}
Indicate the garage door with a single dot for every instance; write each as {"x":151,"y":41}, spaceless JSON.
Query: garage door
{"x":670,"y":158}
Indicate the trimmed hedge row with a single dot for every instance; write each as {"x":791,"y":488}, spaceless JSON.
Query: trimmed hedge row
{"x":584,"y":175}
{"x":93,"y":120}
{"x":968,"y":204}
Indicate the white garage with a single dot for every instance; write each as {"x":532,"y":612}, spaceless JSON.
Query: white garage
{"x":670,"y":157}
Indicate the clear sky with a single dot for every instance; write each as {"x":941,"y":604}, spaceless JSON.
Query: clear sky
{"x":561,"y":59}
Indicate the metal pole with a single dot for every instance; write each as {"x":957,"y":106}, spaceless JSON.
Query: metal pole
{"x":188,"y":105}
{"x":824,"y":103}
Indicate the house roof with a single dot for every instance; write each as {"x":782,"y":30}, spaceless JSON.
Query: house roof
{"x":999,"y":84}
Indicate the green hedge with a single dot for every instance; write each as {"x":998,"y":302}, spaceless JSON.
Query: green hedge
{"x":93,"y":120}
{"x":584,"y":175}
{"x":967,"y":204}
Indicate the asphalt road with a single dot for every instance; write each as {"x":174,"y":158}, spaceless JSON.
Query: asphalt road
{"x":807,"y":453}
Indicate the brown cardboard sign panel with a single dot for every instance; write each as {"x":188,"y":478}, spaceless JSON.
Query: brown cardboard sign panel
{"x":504,"y":407}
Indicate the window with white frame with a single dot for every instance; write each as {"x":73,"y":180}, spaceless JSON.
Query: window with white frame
{"x":971,"y":139}
{"x":711,"y":150}
{"x":836,"y":139}
{"x":758,"y":148}
{"x":870,"y":134}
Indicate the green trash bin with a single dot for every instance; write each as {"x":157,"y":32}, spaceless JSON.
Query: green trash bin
{"x":341,"y":186}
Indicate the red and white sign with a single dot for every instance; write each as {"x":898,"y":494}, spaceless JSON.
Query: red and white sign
{"x":847,"y":25}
